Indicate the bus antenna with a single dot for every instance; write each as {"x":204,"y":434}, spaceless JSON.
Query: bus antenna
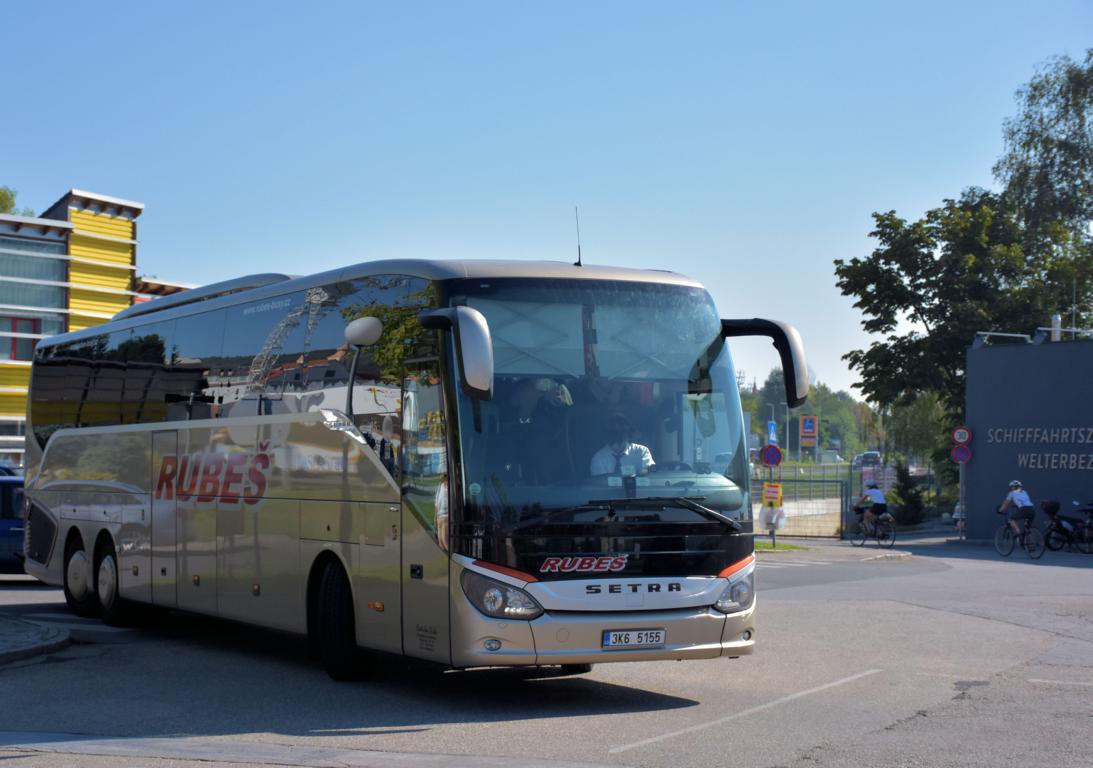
{"x":577,"y":216}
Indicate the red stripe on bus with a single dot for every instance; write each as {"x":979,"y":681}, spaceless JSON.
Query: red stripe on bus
{"x":507,"y":571}
{"x":737,"y":566}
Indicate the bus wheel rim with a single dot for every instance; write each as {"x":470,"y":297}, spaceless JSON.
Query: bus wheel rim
{"x":77,"y":574}
{"x":108,"y":580}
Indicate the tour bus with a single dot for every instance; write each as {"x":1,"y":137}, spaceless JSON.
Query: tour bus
{"x":473,"y":463}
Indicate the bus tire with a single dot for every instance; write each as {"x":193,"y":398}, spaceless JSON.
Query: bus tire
{"x":335,"y":627}
{"x":78,"y":580}
{"x":112,"y":607}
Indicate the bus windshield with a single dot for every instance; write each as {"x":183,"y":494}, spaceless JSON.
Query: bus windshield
{"x":615,"y":413}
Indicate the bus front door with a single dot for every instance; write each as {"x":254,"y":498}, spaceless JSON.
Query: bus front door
{"x":425,"y":621}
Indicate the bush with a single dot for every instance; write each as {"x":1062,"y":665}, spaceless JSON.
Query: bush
{"x":910,"y":509}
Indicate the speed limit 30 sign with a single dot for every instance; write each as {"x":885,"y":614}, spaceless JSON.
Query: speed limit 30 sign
{"x":962,"y":435}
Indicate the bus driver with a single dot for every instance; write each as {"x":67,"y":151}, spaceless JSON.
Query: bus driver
{"x":620,"y":456}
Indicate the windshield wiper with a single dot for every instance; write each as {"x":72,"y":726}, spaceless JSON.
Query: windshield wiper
{"x":683,"y":502}
{"x":550,"y":514}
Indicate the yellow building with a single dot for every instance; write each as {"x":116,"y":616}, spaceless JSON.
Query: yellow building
{"x":72,"y":267}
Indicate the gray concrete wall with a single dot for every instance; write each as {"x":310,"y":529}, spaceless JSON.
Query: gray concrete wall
{"x":1030,"y":409}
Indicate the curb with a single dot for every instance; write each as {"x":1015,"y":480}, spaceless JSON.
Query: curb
{"x":23,"y":640}
{"x":887,"y":556}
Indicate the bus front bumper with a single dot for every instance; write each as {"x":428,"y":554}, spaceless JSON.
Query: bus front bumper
{"x":577,"y":638}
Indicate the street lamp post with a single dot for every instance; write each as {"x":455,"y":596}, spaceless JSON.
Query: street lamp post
{"x":787,"y":436}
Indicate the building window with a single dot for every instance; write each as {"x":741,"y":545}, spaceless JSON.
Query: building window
{"x":32,"y":246}
{"x":12,"y":428}
{"x":30,"y":295}
{"x":33,"y":267}
{"x":15,"y":347}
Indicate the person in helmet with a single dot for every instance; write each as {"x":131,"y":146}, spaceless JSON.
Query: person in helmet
{"x":874,"y":503}
{"x":1018,"y":501}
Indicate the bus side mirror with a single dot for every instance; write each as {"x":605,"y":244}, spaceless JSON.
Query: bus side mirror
{"x":364,"y":331}
{"x":790,"y":348}
{"x":473,"y":346}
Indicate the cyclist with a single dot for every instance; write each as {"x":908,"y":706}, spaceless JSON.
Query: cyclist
{"x":874,"y":503}
{"x":1019,"y":500}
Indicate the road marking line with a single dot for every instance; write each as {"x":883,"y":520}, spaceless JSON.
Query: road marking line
{"x":746,"y":712}
{"x":1059,"y":682}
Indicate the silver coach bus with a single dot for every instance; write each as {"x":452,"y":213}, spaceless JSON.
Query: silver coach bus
{"x":472,"y":463}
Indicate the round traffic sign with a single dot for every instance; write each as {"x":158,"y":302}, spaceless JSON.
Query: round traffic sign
{"x":961,"y":454}
{"x":772,"y":455}
{"x":962,"y":435}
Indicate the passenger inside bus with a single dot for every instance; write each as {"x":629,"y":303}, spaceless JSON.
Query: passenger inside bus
{"x":533,"y":447}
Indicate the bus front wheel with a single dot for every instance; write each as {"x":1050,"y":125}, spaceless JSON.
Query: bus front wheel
{"x":334,"y":626}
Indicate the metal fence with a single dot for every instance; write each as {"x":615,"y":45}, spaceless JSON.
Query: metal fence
{"x":813,"y":506}
{"x":818,"y":500}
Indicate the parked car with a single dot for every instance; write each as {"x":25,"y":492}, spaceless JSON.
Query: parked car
{"x":871,"y":459}
{"x":11,"y":524}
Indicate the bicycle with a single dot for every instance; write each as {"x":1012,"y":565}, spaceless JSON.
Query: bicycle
{"x":883,"y":530}
{"x":1030,"y":538}
{"x":1071,"y":532}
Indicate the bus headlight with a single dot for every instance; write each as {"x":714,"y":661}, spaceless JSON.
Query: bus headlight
{"x":499,"y":600}
{"x":738,"y":595}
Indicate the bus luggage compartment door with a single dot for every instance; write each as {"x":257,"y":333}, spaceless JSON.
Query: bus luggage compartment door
{"x":164,"y":577}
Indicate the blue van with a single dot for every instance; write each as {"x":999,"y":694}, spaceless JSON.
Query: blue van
{"x":11,"y":524}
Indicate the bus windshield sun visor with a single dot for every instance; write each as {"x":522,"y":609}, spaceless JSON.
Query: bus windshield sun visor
{"x":473,"y":346}
{"x":790,"y":349}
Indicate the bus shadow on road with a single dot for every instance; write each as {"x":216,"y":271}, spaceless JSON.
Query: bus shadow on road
{"x":258,"y":680}
{"x":400,"y":693}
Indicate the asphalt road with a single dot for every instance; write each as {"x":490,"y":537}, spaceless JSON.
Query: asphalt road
{"x":952,"y":657}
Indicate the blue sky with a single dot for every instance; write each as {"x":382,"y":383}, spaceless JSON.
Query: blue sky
{"x":743,"y":144}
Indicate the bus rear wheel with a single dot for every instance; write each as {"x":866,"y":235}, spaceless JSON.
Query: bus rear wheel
{"x":78,"y":580}
{"x":113,"y":608}
{"x":336,"y":638}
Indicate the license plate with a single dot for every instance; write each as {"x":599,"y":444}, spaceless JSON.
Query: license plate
{"x":633,"y":638}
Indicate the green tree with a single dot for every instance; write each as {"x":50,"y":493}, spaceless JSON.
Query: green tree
{"x":1047,"y":168}
{"x":7,"y":203}
{"x":932,"y":284}
{"x":985,"y":262}
{"x":771,"y":399}
{"x":838,"y":424}
{"x":749,"y":404}
{"x":401,"y":329}
{"x":837,"y":413}
{"x":910,"y":507}
{"x":917,"y":428}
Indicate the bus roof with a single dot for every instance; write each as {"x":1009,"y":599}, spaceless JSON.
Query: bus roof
{"x":255,"y":287}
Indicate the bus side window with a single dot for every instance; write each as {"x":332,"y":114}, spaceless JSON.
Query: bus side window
{"x":424,"y":449}
{"x":91,"y":400}
{"x":194,"y":362}
{"x":146,"y":372}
